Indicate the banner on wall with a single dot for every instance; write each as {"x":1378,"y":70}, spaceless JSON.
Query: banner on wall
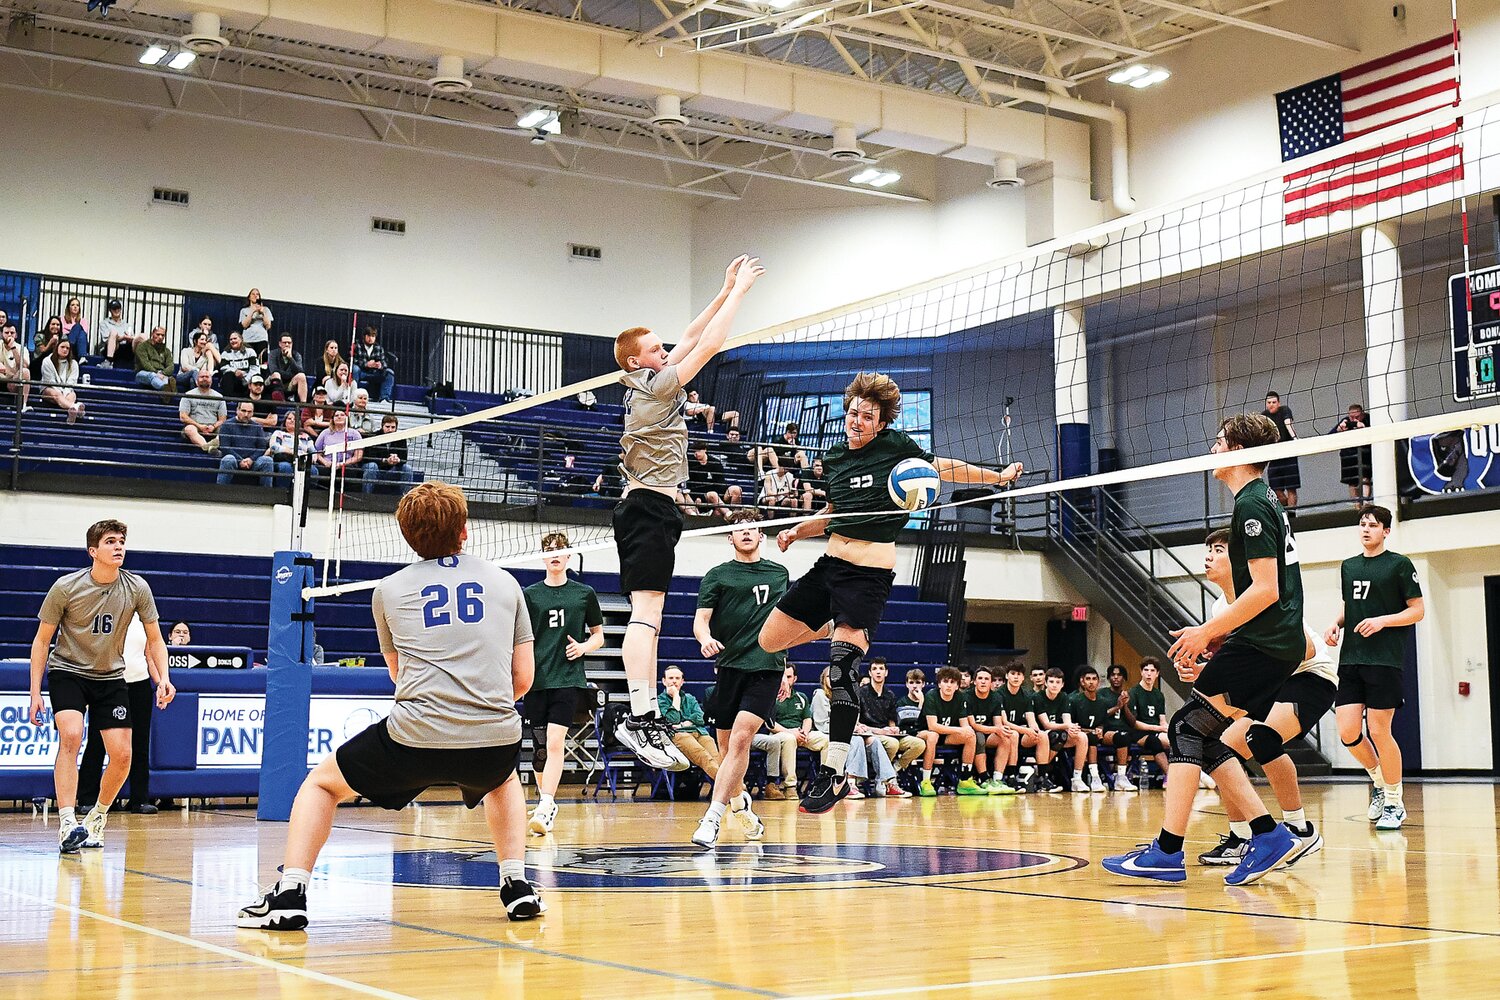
{"x":24,"y":747}
{"x":1456,"y":460}
{"x":231,"y":728}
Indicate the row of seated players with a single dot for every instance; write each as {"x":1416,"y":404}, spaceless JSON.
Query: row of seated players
{"x":991,"y":727}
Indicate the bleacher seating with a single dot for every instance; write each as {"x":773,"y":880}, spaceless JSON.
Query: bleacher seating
{"x":227,"y":600}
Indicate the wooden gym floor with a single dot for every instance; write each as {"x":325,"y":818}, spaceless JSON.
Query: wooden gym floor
{"x":950,"y":898}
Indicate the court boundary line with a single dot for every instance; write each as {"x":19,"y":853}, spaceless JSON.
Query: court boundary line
{"x":217,"y":949}
{"x":1128,"y":970}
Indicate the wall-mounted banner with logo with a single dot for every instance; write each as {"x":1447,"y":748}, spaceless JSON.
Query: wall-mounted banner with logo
{"x":231,"y":728}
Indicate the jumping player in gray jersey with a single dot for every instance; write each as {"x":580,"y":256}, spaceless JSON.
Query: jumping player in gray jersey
{"x":648,"y":522}
{"x":89,"y":612}
{"x":456,"y":638}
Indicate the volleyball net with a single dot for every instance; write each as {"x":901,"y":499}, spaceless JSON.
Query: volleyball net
{"x":1361,"y":290}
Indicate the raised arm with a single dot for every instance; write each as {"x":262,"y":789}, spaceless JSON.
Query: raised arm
{"x":717,"y":331}
{"x":700,"y":323}
{"x":811,"y":528}
{"x":951,"y":470}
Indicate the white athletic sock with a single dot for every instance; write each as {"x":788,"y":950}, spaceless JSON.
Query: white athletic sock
{"x":546,"y":802}
{"x":1393,"y":793}
{"x":291,"y":877}
{"x":642,"y":700}
{"x":926,"y":774}
{"x":835,"y":756}
{"x":1077,"y":775}
{"x":1093,"y":770}
{"x":716,"y":811}
{"x":102,"y":808}
{"x":1294,"y":817}
{"x":1240,"y":830}
{"x":512,"y":868}
{"x":1374,"y":773}
{"x":67,"y":818}
{"x":1120,"y":768}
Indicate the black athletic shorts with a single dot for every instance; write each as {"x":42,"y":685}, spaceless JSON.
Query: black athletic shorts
{"x":1247,"y":678}
{"x":1370,"y":685}
{"x":737,"y":691}
{"x":1312,"y":696}
{"x":106,"y":701}
{"x":551,"y":706}
{"x":839,"y":591}
{"x":392,"y":774}
{"x":647,"y":527}
{"x":1057,"y":738}
{"x":1284,"y":474}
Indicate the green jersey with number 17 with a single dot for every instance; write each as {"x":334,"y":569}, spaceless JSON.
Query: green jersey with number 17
{"x":1260,"y":530}
{"x":742,"y":595}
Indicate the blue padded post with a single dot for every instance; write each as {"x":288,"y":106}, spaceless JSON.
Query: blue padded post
{"x":283,"y":761}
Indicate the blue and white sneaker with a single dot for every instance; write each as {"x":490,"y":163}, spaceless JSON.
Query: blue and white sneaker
{"x":1149,"y":862}
{"x":1267,"y":852}
{"x":70,"y":839}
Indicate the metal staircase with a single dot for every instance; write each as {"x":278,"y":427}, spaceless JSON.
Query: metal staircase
{"x":1116,"y":562}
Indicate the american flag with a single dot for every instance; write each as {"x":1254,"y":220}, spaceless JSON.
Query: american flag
{"x":1361,"y":100}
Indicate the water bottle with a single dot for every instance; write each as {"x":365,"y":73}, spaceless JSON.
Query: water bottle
{"x":88,"y":378}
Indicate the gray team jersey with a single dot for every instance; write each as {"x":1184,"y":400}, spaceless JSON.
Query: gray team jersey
{"x":92,"y":619}
{"x":653,"y":449}
{"x":453,"y":622}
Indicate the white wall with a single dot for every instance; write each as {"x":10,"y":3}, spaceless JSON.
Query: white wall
{"x":290,"y":214}
{"x":1215,"y":120}
{"x":823,"y":250}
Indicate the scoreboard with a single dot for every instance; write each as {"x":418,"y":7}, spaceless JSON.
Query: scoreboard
{"x":1476,"y":335}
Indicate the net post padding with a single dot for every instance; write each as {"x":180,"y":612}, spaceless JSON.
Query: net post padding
{"x":289,"y":653}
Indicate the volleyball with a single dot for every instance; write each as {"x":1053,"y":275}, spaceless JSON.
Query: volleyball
{"x":913,"y":484}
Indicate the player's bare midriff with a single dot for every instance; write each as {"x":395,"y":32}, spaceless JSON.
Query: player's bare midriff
{"x":670,"y":492}
{"x":859,"y":552}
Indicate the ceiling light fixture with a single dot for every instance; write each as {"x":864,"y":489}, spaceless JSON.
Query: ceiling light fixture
{"x":182,"y":60}
{"x":1139,"y":75}
{"x":875,"y":177}
{"x":1151,"y":79}
{"x":153,"y":55}
{"x":542,"y":120}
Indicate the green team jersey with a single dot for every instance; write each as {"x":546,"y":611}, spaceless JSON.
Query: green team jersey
{"x":1015,"y":706}
{"x":1148,"y":707}
{"x":790,"y":712}
{"x":1052,"y":708}
{"x":1260,"y":530}
{"x":558,"y":614}
{"x":1374,"y":587}
{"x":987,"y":710}
{"x":947,"y":712}
{"x":1114,"y":717}
{"x":742,"y":595}
{"x":857,"y":483}
{"x":1089,"y":713}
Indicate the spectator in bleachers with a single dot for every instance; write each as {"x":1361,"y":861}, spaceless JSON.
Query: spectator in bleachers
{"x":814,"y":486}
{"x":778,"y":491}
{"x":374,"y":367}
{"x":266,"y":414}
{"x":285,"y":378}
{"x":607,"y":483}
{"x":1354,"y":463}
{"x":288,"y":443}
{"x":118,"y":337}
{"x":76,"y":329}
{"x":947,"y":713}
{"x":236,"y":365}
{"x":318,"y":417}
{"x":786,"y":454}
{"x":386,"y":463}
{"x":43,"y":343}
{"x":153,"y":362}
{"x":202,"y":356}
{"x":202,"y":412}
{"x":244,"y":446}
{"x":699,"y":412}
{"x":683,"y":715}
{"x":788,"y":728}
{"x":705,"y":481}
{"x":59,"y":374}
{"x":880,"y":716}
{"x":255,"y":321}
{"x":341,"y":387}
{"x":343,"y":440}
{"x":15,"y":366}
{"x":331,"y":359}
{"x":867,"y":758}
{"x":738,"y":461}
{"x":180,"y":634}
{"x":205,"y":325}
{"x":360,"y":417}
{"x":1051,"y":713}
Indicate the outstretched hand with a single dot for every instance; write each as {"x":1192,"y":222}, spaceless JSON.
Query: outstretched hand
{"x":1011,"y":473}
{"x":734,"y":269}
{"x":785,"y":538}
{"x":747,"y":273}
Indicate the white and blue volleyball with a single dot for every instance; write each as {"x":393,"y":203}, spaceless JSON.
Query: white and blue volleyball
{"x":914,"y":484}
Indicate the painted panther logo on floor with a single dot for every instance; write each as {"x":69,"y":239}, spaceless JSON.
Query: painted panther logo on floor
{"x":739,"y":866}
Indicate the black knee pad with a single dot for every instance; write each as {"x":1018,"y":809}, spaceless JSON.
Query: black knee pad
{"x":1153,"y":745}
{"x":1195,"y":730}
{"x":538,"y":748}
{"x":1265,"y":743}
{"x":1357,"y":740}
{"x":843,"y":672}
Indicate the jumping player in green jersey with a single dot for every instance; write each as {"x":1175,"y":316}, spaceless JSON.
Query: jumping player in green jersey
{"x":1383,"y":601}
{"x":847,"y":588}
